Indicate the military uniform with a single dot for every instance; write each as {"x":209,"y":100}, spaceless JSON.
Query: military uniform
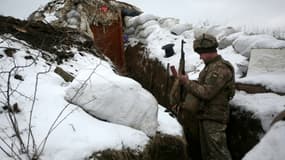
{"x":214,"y":88}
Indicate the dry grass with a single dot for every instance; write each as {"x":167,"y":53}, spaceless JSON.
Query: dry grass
{"x":161,"y":147}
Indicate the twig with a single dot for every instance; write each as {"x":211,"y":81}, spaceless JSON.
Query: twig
{"x":3,"y":150}
{"x":9,"y":155}
{"x":55,"y":124}
{"x":11,"y":115}
{"x":30,"y":134}
{"x":10,"y":124}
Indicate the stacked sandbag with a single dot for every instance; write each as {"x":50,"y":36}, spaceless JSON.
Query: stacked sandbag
{"x":245,"y":43}
{"x":121,"y":100}
{"x":81,"y":14}
{"x":224,"y":34}
{"x":141,"y":27}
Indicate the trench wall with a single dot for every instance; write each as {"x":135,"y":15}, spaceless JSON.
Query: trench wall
{"x":244,"y":130}
{"x":149,"y":72}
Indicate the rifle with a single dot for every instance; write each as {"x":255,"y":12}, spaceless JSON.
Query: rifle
{"x":177,"y":93}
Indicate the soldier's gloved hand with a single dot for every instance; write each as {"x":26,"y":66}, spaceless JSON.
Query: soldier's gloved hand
{"x":175,"y":109}
{"x":183,"y":79}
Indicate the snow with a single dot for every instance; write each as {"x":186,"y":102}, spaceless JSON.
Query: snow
{"x":261,"y":61}
{"x":271,"y":145}
{"x":265,"y":106}
{"x":105,"y":93}
{"x":81,"y":134}
{"x":180,"y":28}
{"x":271,"y":80}
{"x":167,"y":125}
{"x":244,"y":44}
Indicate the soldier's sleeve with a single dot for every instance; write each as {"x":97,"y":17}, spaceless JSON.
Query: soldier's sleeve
{"x":214,"y":82}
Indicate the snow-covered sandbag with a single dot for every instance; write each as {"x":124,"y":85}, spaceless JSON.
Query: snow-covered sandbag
{"x":180,"y":28}
{"x":271,"y":145}
{"x":168,"y":22}
{"x":266,"y":61}
{"x":199,"y":31}
{"x":114,"y":98}
{"x":141,"y":19}
{"x":221,"y":32}
{"x":144,"y":30}
{"x":228,"y":40}
{"x":244,"y":44}
{"x":129,"y":31}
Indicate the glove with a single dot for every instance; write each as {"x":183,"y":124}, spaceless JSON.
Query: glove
{"x":175,"y":109}
{"x":183,"y":79}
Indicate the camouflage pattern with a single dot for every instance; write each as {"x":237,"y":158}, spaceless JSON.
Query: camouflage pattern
{"x":213,"y":141}
{"x":205,"y":43}
{"x":215,"y":87}
{"x":204,"y":126}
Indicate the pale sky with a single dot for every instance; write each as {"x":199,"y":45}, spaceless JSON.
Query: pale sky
{"x":250,"y":13}
{"x":264,"y":13}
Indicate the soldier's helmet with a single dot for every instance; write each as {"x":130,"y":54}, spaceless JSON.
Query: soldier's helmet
{"x":205,"y":43}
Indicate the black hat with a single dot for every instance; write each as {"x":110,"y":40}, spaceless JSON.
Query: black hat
{"x":168,"y":48}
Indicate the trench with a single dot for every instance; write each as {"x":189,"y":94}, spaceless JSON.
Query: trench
{"x":243,"y":131}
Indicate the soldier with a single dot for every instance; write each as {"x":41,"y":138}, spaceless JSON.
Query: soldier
{"x":214,"y":88}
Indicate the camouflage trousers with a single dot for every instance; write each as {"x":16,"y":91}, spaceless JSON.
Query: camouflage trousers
{"x":213,"y":141}
{"x":207,"y":141}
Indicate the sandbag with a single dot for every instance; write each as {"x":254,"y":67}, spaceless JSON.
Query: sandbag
{"x":116,"y":99}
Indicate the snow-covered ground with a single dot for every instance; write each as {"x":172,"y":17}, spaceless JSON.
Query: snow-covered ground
{"x":80,"y":134}
{"x":75,"y":133}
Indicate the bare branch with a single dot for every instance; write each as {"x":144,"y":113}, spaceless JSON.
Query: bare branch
{"x":11,"y":114}
{"x":10,"y":147}
{"x":3,"y":150}
{"x":55,"y":124}
{"x":30,"y":134}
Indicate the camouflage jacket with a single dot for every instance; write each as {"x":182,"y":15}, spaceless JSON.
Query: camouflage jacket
{"x":215,"y":87}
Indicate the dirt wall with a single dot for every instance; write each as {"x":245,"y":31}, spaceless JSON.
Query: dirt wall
{"x":149,"y":72}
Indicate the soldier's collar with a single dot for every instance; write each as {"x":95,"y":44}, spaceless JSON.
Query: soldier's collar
{"x":218,"y":57}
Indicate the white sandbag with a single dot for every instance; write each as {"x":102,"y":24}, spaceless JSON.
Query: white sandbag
{"x":221,"y":32}
{"x":244,"y":44}
{"x":141,"y":19}
{"x":168,"y":22}
{"x":121,"y":100}
{"x":178,"y":29}
{"x":266,"y":60}
{"x":228,"y":40}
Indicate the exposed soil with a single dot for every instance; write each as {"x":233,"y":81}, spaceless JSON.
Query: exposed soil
{"x":244,"y":132}
{"x":158,"y":81}
{"x":54,"y":40}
